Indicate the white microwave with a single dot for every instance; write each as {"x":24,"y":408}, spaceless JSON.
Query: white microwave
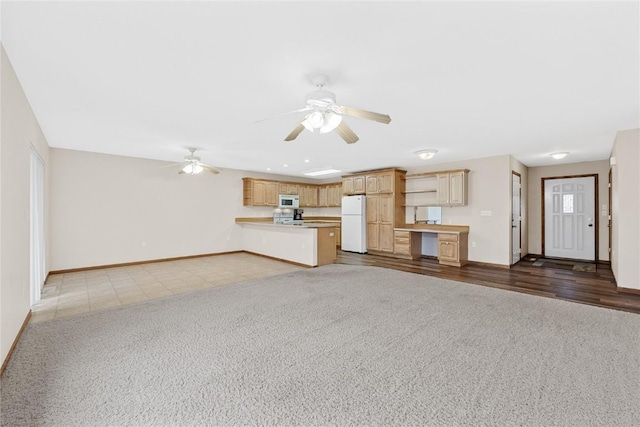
{"x":288,"y":201}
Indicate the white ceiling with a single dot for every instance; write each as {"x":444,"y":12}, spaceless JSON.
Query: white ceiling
{"x":472,"y":80}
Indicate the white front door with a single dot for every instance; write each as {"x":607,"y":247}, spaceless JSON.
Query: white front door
{"x":569,"y":212}
{"x":516,"y":249}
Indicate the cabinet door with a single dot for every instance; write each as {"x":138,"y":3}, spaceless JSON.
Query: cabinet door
{"x":457,"y":190}
{"x":443,"y":189}
{"x":347,"y":185}
{"x":323,"y":196}
{"x":372,"y":184}
{"x":373,"y":240}
{"x":271,"y":198}
{"x":283,"y":188}
{"x":385,"y":237}
{"x":259,"y":193}
{"x":333,"y":195}
{"x":385,"y":182}
{"x":448,"y":251}
{"x":372,"y":209}
{"x":385,"y":208}
{"x":359,"y":184}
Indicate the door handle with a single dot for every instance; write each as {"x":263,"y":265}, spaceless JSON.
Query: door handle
{"x":590,"y":225}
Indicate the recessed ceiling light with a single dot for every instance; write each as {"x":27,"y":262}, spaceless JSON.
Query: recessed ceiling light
{"x":268,"y":169}
{"x":560,"y":155}
{"x":426,"y":154}
{"x":321,"y":172}
{"x":286,"y":166}
{"x":307,"y":160}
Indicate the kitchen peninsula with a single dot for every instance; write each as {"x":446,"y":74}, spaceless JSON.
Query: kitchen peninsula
{"x":311,"y":244}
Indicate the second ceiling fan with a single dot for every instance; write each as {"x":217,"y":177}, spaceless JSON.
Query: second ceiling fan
{"x":325,"y":115}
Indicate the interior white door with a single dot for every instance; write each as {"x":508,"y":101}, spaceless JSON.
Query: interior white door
{"x":569,"y":212}
{"x":516,"y":243}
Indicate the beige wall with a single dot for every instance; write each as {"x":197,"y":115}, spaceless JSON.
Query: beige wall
{"x":625,"y":241}
{"x":489,"y":190}
{"x":601,"y":168}
{"x":109,"y":209}
{"x":19,"y":131}
{"x":518,"y":167}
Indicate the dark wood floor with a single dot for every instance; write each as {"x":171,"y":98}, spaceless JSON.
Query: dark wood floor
{"x":597,"y":288}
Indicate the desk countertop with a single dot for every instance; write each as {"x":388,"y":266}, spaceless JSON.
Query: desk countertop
{"x":434,"y":228}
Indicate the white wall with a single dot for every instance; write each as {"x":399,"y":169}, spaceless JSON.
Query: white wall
{"x":625,"y":239}
{"x":108,"y":209}
{"x":489,"y":190}
{"x":601,"y":168}
{"x":19,"y":131}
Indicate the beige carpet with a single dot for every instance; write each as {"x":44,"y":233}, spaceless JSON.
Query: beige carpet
{"x":335,"y":345}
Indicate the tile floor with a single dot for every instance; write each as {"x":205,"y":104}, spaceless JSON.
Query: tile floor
{"x":84,"y":291}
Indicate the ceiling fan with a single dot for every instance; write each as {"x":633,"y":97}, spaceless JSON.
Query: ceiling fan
{"x":193,"y":166}
{"x":325,"y":115}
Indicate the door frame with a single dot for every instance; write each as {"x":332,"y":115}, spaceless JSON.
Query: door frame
{"x":514,"y":173}
{"x":596,"y":217}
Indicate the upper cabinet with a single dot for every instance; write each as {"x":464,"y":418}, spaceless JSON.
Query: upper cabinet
{"x":444,"y":188}
{"x":452,"y":188}
{"x":263,"y":192}
{"x":380,"y":182}
{"x":259,"y":192}
{"x":288,"y":188}
{"x":353,"y":184}
{"x":308,"y":195}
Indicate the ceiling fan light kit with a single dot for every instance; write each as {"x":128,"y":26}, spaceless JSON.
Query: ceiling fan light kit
{"x":426,"y":154}
{"x":193,"y":166}
{"x":325,"y":115}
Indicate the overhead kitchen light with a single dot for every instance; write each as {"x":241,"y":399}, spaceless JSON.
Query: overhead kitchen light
{"x":560,"y":155}
{"x":326,"y":171}
{"x":426,"y":154}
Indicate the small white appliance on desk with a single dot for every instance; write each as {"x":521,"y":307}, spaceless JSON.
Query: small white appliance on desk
{"x":354,"y":224}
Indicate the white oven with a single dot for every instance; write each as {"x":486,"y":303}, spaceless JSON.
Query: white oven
{"x":288,"y":201}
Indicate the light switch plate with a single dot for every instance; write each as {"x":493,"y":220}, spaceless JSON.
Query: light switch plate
{"x":486,"y":213}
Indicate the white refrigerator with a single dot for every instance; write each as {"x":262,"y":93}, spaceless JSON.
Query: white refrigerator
{"x":354,"y":224}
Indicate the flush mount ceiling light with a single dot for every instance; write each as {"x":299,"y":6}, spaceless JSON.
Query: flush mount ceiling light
{"x":426,"y":154}
{"x":560,"y":155}
{"x":325,"y":171}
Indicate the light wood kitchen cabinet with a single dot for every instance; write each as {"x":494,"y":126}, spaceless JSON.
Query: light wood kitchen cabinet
{"x":334,"y":195}
{"x":452,"y":188}
{"x":407,"y":244}
{"x":287,"y":188}
{"x":380,"y":182}
{"x":355,"y":184}
{"x":259,"y":192}
{"x":308,"y":196}
{"x":452,"y":249}
{"x":380,"y":222}
{"x":323,"y":196}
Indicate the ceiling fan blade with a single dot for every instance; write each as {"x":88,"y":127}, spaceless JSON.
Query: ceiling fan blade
{"x":295,"y":132}
{"x":363,"y":114}
{"x":307,"y":108}
{"x":211,"y":169}
{"x":346,"y":133}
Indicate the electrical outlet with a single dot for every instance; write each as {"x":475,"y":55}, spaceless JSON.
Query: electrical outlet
{"x":473,"y":244}
{"x":486,"y":213}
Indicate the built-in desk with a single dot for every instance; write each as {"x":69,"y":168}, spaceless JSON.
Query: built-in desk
{"x":453,"y":247}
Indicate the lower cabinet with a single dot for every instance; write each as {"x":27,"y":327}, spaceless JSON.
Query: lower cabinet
{"x":452,"y":249}
{"x":407,"y":244}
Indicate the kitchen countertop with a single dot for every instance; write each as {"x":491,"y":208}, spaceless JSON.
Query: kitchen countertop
{"x":434,"y":228}
{"x":312,"y":224}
